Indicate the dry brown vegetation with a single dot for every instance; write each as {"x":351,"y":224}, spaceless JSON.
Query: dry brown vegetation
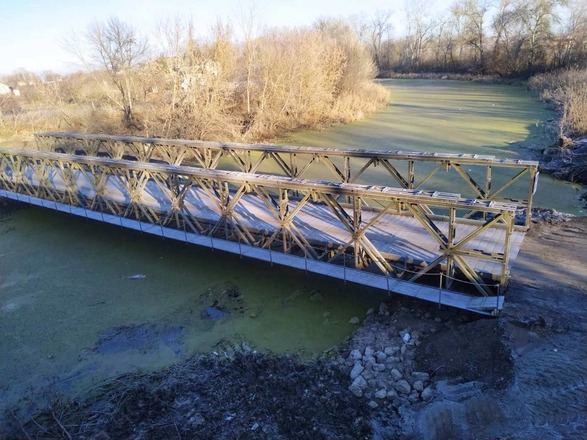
{"x":568,"y":90}
{"x":214,"y":89}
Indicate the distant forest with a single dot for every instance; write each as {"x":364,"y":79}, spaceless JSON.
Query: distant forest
{"x":495,"y":37}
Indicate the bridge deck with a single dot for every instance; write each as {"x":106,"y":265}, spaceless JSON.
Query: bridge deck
{"x":399,"y":237}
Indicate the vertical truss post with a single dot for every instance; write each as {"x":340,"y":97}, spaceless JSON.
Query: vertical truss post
{"x":450,"y":264}
{"x":487,"y":187}
{"x":411,"y":174}
{"x":533,"y":182}
{"x":488,"y":182}
{"x":509,"y":222}
{"x":347,"y":169}
{"x":357,"y":217}
{"x":283,"y":211}
{"x":293,"y":165}
{"x":248,"y":162}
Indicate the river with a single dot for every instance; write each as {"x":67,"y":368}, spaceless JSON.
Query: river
{"x":73,"y":310}
{"x":456,"y":117}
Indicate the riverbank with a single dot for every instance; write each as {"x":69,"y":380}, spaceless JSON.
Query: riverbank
{"x":567,"y":163}
{"x":478,"y":78}
{"x":411,"y":370}
{"x":566,"y":93}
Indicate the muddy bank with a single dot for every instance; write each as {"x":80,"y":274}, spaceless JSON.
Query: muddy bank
{"x":242,"y":395}
{"x":567,"y":161}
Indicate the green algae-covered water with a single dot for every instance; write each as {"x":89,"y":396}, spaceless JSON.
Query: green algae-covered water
{"x":456,"y":117}
{"x":73,"y":310}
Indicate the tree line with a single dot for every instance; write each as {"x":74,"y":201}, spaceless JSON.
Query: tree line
{"x":174,"y":84}
{"x":494,"y":37}
{"x":269,"y":81}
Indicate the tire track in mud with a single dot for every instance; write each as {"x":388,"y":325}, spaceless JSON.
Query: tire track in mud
{"x":552,"y":385}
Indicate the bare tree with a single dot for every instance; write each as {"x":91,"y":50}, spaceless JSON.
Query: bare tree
{"x":572,"y":50}
{"x":508,"y":38}
{"x":537,"y":18}
{"x":474,"y":14}
{"x":445,"y":42}
{"x":116,"y":47}
{"x":380,"y":29}
{"x":250,"y":25}
{"x":420,"y":32}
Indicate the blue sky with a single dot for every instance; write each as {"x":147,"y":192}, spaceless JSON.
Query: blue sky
{"x":31,"y":30}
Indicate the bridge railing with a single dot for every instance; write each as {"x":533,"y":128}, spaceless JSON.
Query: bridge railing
{"x":476,"y":176}
{"x":167,"y":195}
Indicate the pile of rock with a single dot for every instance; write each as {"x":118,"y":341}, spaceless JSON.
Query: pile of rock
{"x":539,"y":215}
{"x":549,"y":216}
{"x":382,"y":370}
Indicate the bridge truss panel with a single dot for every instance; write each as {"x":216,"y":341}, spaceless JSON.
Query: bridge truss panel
{"x":418,"y":238}
{"x":477,"y":176}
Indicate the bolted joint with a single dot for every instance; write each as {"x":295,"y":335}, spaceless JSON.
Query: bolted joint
{"x":358,"y":235}
{"x":136,"y":196}
{"x":176,"y":205}
{"x":101,"y":191}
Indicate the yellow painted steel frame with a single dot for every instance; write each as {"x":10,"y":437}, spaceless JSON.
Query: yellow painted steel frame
{"x":297,"y":161}
{"x":56,"y":177}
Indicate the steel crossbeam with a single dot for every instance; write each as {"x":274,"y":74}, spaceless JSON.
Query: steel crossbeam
{"x":276,"y":213}
{"x":411,"y":170}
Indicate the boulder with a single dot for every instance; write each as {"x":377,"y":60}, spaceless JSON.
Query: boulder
{"x":368,"y":360}
{"x":357,"y":370}
{"x":427,"y":394}
{"x":391,"y":350}
{"x":391,"y":394}
{"x":378,"y":367}
{"x":356,"y":390}
{"x":395,"y":373}
{"x":420,"y":375}
{"x":360,"y":382}
{"x":380,"y":356}
{"x":381,"y":394}
{"x":403,"y":387}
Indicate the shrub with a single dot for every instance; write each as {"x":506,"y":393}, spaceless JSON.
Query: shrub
{"x":567,"y":89}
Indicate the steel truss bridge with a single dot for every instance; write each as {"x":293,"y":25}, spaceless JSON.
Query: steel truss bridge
{"x":437,"y":246}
